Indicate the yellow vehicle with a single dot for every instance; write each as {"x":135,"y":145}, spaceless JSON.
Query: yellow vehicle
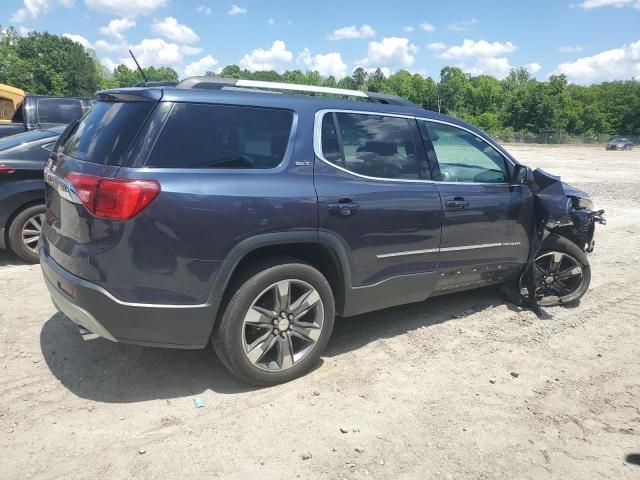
{"x":10,"y":100}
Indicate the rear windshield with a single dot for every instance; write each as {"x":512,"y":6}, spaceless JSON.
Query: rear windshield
{"x":106,"y":132}
{"x":217,"y":136}
{"x":22,"y":138}
{"x":59,"y":110}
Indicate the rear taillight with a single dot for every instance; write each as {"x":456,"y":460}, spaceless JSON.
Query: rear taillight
{"x":114,"y":198}
{"x":6,"y":169}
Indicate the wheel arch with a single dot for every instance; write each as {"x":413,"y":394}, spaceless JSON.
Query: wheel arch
{"x":323,"y":251}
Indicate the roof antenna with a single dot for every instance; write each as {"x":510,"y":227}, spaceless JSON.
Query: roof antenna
{"x":140,"y":69}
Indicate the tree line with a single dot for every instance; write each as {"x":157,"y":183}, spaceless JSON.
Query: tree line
{"x":43,"y":63}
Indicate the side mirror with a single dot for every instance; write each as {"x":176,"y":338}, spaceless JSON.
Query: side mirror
{"x":522,"y":175}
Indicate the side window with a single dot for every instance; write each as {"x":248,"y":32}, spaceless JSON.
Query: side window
{"x":464,"y":157}
{"x":372,"y":145}
{"x":6,"y":109}
{"x":59,"y":110}
{"x":218,"y":136}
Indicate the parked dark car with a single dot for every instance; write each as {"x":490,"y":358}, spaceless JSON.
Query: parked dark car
{"x":619,"y":143}
{"x":42,"y":112}
{"x":22,"y":160}
{"x":208,"y":211}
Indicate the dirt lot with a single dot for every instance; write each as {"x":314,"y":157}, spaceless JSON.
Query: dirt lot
{"x":411,"y":386}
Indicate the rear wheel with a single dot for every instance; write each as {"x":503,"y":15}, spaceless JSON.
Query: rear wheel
{"x":24,"y":233}
{"x":563,"y":275}
{"x":276,"y":324}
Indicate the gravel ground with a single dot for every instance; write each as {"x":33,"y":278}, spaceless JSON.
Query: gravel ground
{"x":421,"y":391}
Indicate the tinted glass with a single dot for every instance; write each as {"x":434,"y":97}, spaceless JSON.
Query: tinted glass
{"x":217,"y":136}
{"x":464,"y":157}
{"x":59,"y":110}
{"x":330,"y":144}
{"x":375,"y":146}
{"x":24,"y":138}
{"x":105,"y":133}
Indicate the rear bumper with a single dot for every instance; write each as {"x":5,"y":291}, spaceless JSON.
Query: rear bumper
{"x":92,"y":307}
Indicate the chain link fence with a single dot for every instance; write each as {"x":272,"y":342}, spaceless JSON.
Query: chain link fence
{"x":560,"y":138}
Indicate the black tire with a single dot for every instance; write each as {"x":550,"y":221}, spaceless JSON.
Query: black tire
{"x":553,"y":243}
{"x":228,"y":337}
{"x":16,"y":242}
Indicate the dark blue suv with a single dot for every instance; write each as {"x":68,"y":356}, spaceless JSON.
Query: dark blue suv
{"x":216,"y":210}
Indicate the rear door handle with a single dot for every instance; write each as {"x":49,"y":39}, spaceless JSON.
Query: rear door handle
{"x":458,"y":203}
{"x":344,"y":207}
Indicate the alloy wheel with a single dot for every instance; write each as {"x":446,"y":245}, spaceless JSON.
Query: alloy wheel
{"x":282,"y":325}
{"x":558,"y":275}
{"x":31,"y":231}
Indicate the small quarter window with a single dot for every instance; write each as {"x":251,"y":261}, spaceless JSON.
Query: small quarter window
{"x":465,"y":157}
{"x":372,"y":145}
{"x":218,"y":136}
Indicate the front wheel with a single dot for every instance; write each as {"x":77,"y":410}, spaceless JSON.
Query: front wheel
{"x":276,"y":324}
{"x":563,"y":275}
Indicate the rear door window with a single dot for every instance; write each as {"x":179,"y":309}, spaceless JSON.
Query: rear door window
{"x":372,"y":145}
{"x":106,"y":132}
{"x":59,"y":110}
{"x":219,"y":136}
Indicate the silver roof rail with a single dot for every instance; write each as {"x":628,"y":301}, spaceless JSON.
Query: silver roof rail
{"x":219,"y":83}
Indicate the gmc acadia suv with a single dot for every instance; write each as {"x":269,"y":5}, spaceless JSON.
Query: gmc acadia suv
{"x":225,"y":210}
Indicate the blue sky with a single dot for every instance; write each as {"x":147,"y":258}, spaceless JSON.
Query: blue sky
{"x":588,"y":40}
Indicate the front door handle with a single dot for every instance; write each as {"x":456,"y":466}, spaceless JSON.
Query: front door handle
{"x":343,"y":208}
{"x":458,"y":203}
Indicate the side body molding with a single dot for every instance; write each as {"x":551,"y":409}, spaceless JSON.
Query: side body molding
{"x":390,"y":292}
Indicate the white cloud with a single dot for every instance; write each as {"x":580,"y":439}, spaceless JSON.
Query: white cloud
{"x":127,"y":8}
{"x":116,"y":27}
{"x":24,"y":31}
{"x":533,"y":68}
{"x":427,"y":27}
{"x":390,"y":52}
{"x":204,"y":9}
{"x":189,"y":50}
{"x":78,"y":38}
{"x":32,"y":9}
{"x":436,"y":46}
{"x":104,"y":46}
{"x":150,"y":52}
{"x":200,"y":67}
{"x":481,"y":48}
{"x":589,"y":4}
{"x":570,"y":49}
{"x":498,"y":67}
{"x":170,"y":28}
{"x":408,"y":29}
{"x":325,"y":64}
{"x":272,"y":59}
{"x":108,"y":63}
{"x":462,"y":25}
{"x":352,"y":31}
{"x":236,"y":10}
{"x":615,"y":64}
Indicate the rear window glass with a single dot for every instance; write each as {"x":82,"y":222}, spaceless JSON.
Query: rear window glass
{"x":59,"y":110}
{"x":6,"y":109}
{"x":217,"y":136}
{"x":22,"y":138}
{"x":106,"y":132}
